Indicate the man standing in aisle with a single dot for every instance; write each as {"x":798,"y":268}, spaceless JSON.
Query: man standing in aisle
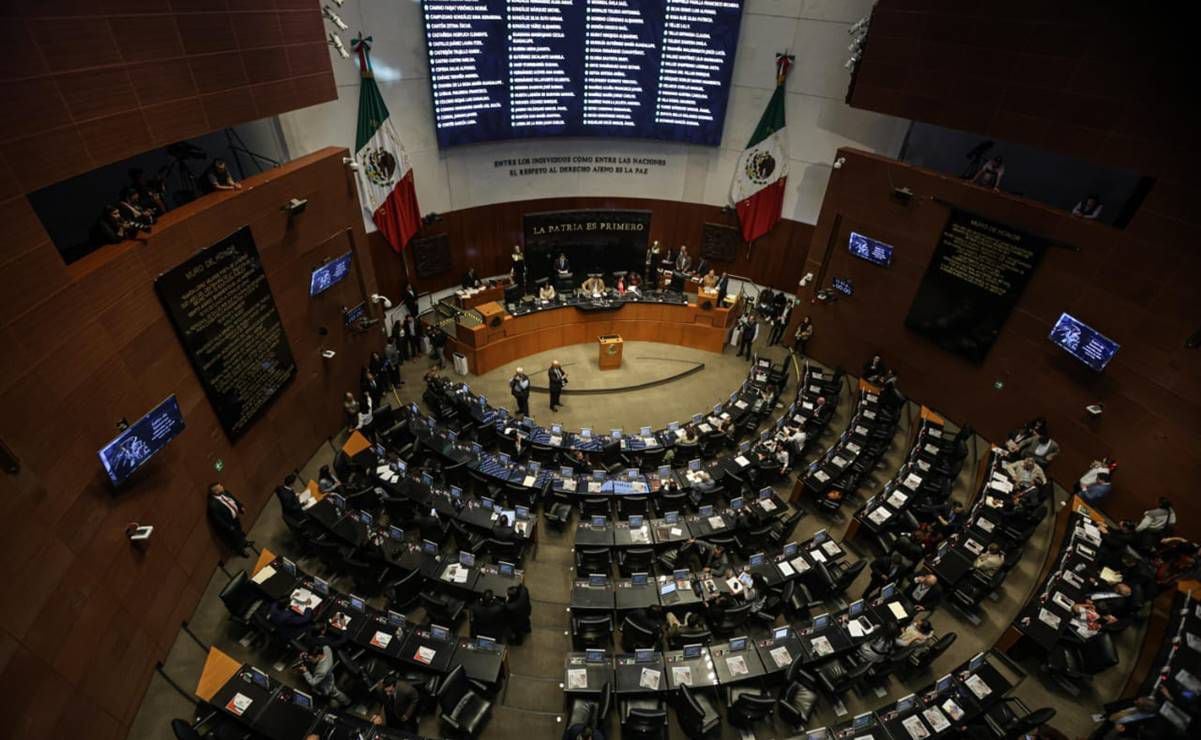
{"x":519,"y":386}
{"x":750,"y":329}
{"x":558,"y":379}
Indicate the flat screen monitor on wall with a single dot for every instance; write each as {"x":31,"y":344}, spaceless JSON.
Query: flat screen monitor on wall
{"x":140,"y":441}
{"x":330,"y":274}
{"x":867,"y":248}
{"x":639,"y":69}
{"x":1083,"y":342}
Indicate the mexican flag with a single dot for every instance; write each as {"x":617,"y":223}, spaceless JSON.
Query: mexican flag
{"x":385,"y":174}
{"x":762,"y":170}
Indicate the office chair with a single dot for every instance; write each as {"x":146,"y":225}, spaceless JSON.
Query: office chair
{"x":844,"y":575}
{"x":595,"y":506}
{"x":922,"y":658}
{"x":690,"y":637}
{"x":590,"y":711}
{"x":674,"y":501}
{"x":695,"y":712}
{"x":643,"y":717}
{"x":557,"y":512}
{"x":463,"y":710}
{"x":732,"y":620}
{"x":441,"y":608}
{"x":241,"y":599}
{"x":592,"y":631}
{"x":592,"y":560}
{"x":635,"y":560}
{"x":836,"y":677}
{"x":799,"y":697}
{"x":627,"y":505}
{"x":747,"y":704}
{"x":1010,"y":717}
{"x":404,"y":591}
{"x":369,"y":578}
{"x":635,"y":636}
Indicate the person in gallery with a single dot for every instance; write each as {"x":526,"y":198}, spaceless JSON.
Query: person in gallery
{"x":112,"y":227}
{"x":990,"y":174}
{"x":218,"y":177}
{"x":683,"y":261}
{"x":804,"y":332}
{"x":1089,"y":208}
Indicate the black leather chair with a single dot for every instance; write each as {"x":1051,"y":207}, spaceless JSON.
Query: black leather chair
{"x":923,"y":657}
{"x":747,"y":704}
{"x":799,"y":697}
{"x":596,"y":506}
{"x":643,"y":717}
{"x":557,"y":512}
{"x":837,"y":677}
{"x":241,"y":599}
{"x":690,"y":637}
{"x":627,"y":505}
{"x":463,"y":710}
{"x":590,"y":711}
{"x":405,"y":591}
{"x":442,"y":609}
{"x":1011,"y":718}
{"x":635,"y":560}
{"x":695,"y":712}
{"x":732,"y":620}
{"x":635,"y":636}
{"x":845,"y":575}
{"x":592,"y":631}
{"x":592,"y":560}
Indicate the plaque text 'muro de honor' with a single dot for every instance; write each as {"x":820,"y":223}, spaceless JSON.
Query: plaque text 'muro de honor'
{"x":221,"y":306}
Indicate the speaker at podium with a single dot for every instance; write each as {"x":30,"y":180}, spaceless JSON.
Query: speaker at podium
{"x":609,"y":347}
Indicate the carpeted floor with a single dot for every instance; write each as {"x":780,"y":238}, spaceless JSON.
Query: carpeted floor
{"x":531,"y":705}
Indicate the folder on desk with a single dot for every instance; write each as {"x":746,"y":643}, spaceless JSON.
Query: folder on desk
{"x":264,"y":575}
{"x":879,"y":515}
{"x":737,"y":665}
{"x":821,"y":646}
{"x":528,"y":481}
{"x":381,"y":640}
{"x":742,"y":461}
{"x":239,"y":704}
{"x":425,"y":655}
{"x":915,"y":727}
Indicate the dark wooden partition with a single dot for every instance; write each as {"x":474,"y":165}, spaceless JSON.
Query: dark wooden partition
{"x":484,"y":237}
{"x":83,"y":615}
{"x":1136,"y":285}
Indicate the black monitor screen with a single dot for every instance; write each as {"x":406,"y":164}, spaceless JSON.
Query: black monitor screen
{"x":641,"y":69}
{"x":1083,"y":342}
{"x":864,"y":247}
{"x":329,"y":274}
{"x":137,"y":444}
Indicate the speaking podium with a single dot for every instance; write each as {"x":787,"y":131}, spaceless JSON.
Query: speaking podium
{"x":609,"y":347}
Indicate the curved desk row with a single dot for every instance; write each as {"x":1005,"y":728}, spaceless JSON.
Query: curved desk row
{"x":502,"y":337}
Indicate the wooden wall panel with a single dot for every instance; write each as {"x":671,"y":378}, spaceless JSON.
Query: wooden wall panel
{"x":1139,"y":290}
{"x":484,"y":237}
{"x":80,"y":628}
{"x":86,"y":84}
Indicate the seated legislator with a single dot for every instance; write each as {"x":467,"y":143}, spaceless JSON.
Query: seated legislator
{"x":620,"y":285}
{"x":990,"y":561}
{"x":471,"y":280}
{"x":112,"y":227}
{"x":634,"y":283}
{"x":546,"y":292}
{"x":593,"y":285}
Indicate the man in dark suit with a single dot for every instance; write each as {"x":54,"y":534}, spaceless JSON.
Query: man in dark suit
{"x":225,"y":513}
{"x":723,"y":287}
{"x":471,"y":280}
{"x":401,"y":704}
{"x":409,"y":298}
{"x":883,"y":571}
{"x":924,"y":592}
{"x":289,"y":498}
{"x":561,"y":264}
{"x":503,"y":529}
{"x":750,"y":330}
{"x":288,"y":623}
{"x":488,"y":617}
{"x":558,"y":379}
{"x":517,"y":612}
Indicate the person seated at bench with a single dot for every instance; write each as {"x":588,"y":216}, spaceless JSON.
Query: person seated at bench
{"x":593,"y":285}
{"x":990,"y":561}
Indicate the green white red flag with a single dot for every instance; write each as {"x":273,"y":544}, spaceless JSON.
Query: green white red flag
{"x":762,"y":171}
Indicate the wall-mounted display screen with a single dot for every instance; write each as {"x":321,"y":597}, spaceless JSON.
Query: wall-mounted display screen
{"x":132,"y":448}
{"x":844,"y":286}
{"x":866,"y":248}
{"x":652,"y":69}
{"x":330,"y":274}
{"x":1083,"y":342}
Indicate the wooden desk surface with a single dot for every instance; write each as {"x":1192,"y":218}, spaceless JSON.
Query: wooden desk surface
{"x":489,"y":347}
{"x":218,"y":669}
{"x":266,"y":557}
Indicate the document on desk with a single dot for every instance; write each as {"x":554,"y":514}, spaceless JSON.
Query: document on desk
{"x":855,"y":628}
{"x":676,"y":532}
{"x":455,"y":573}
{"x":742,"y":461}
{"x":1110,"y":575}
{"x":1188,"y":680}
{"x":768,"y":505}
{"x":785,"y":569}
{"x":1062,"y":601}
{"x":985,"y":525}
{"x":594,"y":486}
{"x":897,"y":610}
{"x":913,"y":481}
{"x":529,"y":480}
{"x":381,"y":640}
{"x":737,"y":665}
{"x":831,"y":547}
{"x":897,"y":499}
{"x":681,"y":674}
{"x":649,"y":679}
{"x":978,"y":686}
{"x":952,"y":709}
{"x":799,"y":564}
{"x":822,"y":476}
{"x":879,"y":515}
{"x":1002,"y":484}
{"x":577,"y":678}
{"x":817,"y":555}
{"x":781,"y":656}
{"x":555,"y":440}
{"x":704,"y":427}
{"x":716,"y":522}
{"x":1192,"y":641}
{"x":821,"y":646}
{"x":567,"y":484}
{"x":239,"y":704}
{"x":640,"y":536}
{"x":937,"y":719}
{"x":915,"y":727}
{"x":264,"y":575}
{"x":302,"y":599}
